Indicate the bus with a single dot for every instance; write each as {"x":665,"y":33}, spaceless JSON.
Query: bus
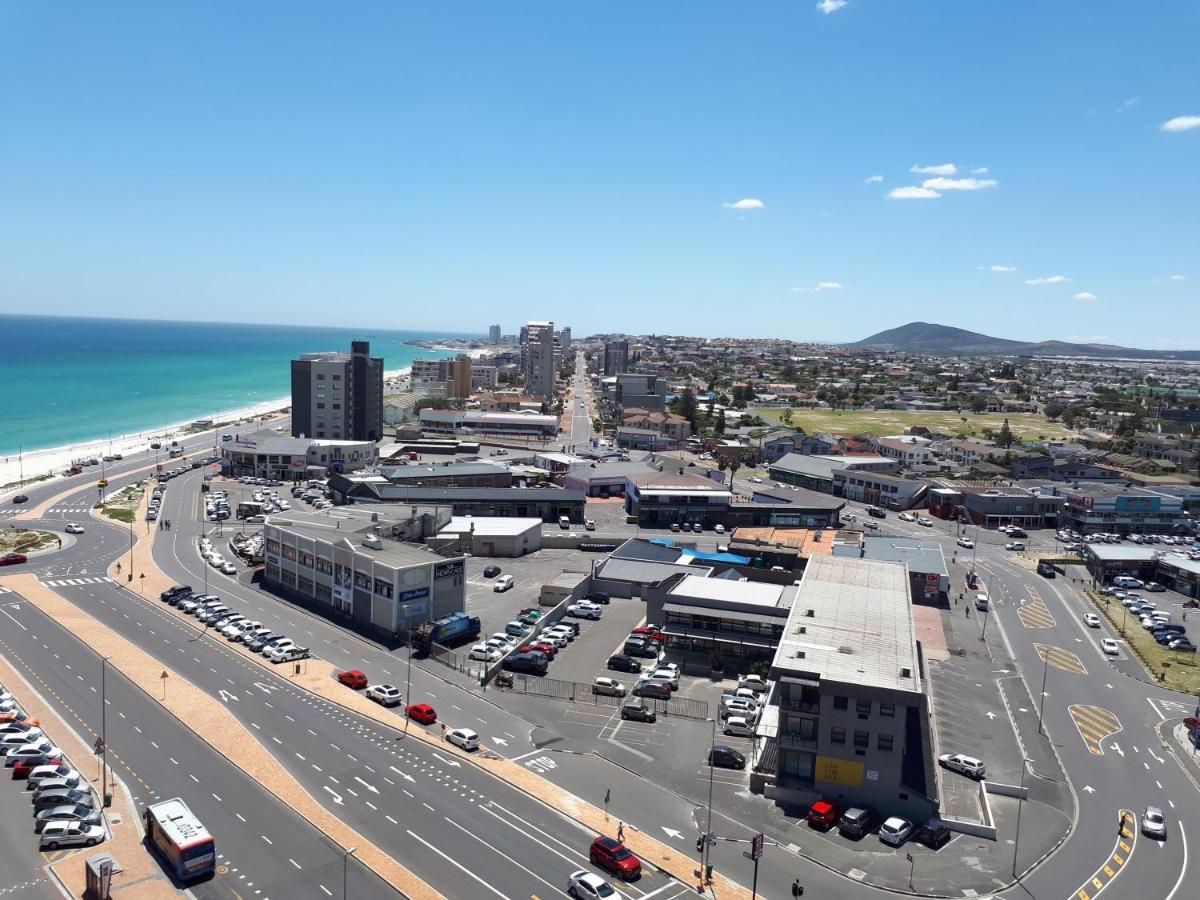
{"x":180,"y":839}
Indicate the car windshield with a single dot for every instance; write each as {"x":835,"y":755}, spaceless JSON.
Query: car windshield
{"x":622,"y":853}
{"x":1154,"y":818}
{"x":604,"y":889}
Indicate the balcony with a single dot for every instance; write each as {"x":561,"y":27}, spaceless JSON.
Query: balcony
{"x":791,"y":740}
{"x":810,"y":707}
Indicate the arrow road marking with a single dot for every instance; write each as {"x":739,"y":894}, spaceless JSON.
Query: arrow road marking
{"x":403,"y":775}
{"x":1117,"y":747}
{"x":337,"y":798}
{"x":990,"y":714}
{"x":501,"y":741}
{"x":1089,"y":789}
{"x":369,"y":787}
{"x":226,"y":696}
{"x":265,"y":688}
{"x":672,"y":832}
{"x":449,"y":762}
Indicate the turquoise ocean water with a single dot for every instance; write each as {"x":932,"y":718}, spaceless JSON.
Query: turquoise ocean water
{"x":67,"y":380}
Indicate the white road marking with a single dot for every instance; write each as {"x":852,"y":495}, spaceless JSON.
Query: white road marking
{"x":456,"y":864}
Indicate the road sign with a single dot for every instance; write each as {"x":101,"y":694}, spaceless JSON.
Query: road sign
{"x":99,"y":746}
{"x":756,"y":846}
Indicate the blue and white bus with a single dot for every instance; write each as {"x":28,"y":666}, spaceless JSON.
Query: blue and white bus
{"x":180,"y":839}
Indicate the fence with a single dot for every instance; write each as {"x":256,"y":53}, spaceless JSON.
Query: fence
{"x":460,"y":662}
{"x":578,"y":692}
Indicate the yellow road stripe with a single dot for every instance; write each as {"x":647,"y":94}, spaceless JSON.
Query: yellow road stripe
{"x":1094,"y":725}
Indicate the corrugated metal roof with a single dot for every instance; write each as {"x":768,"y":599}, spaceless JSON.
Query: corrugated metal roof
{"x":644,"y":571}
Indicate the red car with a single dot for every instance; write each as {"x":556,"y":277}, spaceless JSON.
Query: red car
{"x":22,"y":767}
{"x":613,"y":856}
{"x":650,"y":631}
{"x":824,"y":815}
{"x":15,"y":715}
{"x":548,"y":649}
{"x":11,"y":559}
{"x":353,"y":679}
{"x":422,"y":712}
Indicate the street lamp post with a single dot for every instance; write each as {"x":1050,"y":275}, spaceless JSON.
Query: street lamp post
{"x":708,"y":825}
{"x":988,"y":611}
{"x":346,"y":854}
{"x":408,"y":677}
{"x":1020,"y":805}
{"x":1042,"y":699}
{"x":103,"y":731}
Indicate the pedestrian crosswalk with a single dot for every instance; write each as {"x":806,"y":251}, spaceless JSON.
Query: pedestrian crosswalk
{"x":69,"y":509}
{"x":1061,"y":659}
{"x":1095,"y":724}
{"x":1035,"y":615}
{"x":9,"y":513}
{"x":4,"y":590}
{"x":75,"y":582}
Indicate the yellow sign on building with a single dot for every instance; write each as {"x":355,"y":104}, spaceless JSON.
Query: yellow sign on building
{"x":839,"y":771}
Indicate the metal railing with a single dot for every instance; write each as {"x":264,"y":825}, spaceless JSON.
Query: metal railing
{"x":579,"y":692}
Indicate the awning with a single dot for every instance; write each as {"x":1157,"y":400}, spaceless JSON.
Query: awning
{"x":727,"y":615}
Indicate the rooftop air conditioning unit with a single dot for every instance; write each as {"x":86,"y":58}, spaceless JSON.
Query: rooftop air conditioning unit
{"x":906,"y":673}
{"x":799,"y":654}
{"x":810,"y":613}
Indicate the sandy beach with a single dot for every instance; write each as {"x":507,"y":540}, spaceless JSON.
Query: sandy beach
{"x":56,"y":460}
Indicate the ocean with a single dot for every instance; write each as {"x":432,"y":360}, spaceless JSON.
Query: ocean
{"x":72,"y":380}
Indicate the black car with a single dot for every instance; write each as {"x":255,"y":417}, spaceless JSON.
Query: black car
{"x":172,"y":591}
{"x":644,"y":649}
{"x":623,"y":662}
{"x":858,"y":821}
{"x":724,"y":757}
{"x":491,"y":571}
{"x":260,"y":642}
{"x":600,"y":597}
{"x":533,"y":663}
{"x":876,"y":512}
{"x":1045,"y":570}
{"x":20,"y":498}
{"x":62,"y":797}
{"x":933,"y":834}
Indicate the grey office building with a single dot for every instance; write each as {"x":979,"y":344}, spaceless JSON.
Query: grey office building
{"x":493,"y":334}
{"x":616,"y":357}
{"x":338,"y":396}
{"x":538,"y":352}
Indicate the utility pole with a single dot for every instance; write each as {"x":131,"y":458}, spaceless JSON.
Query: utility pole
{"x":104,"y":730}
{"x":1020,"y":805}
{"x":1042,"y":699}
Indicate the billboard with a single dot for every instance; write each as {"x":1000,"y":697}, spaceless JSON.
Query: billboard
{"x":839,"y":771}
{"x":1138,"y":505}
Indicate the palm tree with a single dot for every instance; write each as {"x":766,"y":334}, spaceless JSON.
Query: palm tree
{"x":734,"y":465}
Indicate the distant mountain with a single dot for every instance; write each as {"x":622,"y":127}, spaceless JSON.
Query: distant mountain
{"x":927,"y":337}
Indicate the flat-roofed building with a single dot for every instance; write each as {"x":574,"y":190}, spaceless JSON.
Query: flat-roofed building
{"x":359,"y":566}
{"x":1117,"y":509}
{"x":662,"y":498}
{"x":848,"y":718}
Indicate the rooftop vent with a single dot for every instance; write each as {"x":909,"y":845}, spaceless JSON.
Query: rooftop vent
{"x":802,"y":629}
{"x":906,"y":673}
{"x":810,"y":613}
{"x":799,"y":654}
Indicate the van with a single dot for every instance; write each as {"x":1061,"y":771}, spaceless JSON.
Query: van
{"x":981,"y":602}
{"x":564,"y":522}
{"x":502,"y":584}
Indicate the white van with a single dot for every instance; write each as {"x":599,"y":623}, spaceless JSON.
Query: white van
{"x":981,"y":602}
{"x":564,"y":522}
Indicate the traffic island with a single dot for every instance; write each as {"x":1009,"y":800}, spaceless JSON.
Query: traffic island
{"x":1173,"y":669}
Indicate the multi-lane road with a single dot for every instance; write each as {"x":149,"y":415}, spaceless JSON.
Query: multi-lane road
{"x":471,"y":835}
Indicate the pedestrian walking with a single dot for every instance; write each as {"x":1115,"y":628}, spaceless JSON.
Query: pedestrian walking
{"x":967,"y":610}
{"x":621,"y":833}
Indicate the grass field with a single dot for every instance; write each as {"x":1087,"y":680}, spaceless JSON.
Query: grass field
{"x":894,"y":421}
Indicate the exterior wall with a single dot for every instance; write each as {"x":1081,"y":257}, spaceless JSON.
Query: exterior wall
{"x":866,"y":487}
{"x":1124,"y":514}
{"x":616,"y":357}
{"x":539,"y":359}
{"x":484,"y":378}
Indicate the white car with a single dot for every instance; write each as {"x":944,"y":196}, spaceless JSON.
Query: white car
{"x":895,"y":831}
{"x":384,"y":694}
{"x":963,"y":764}
{"x":755,"y":683}
{"x":668,"y":677}
{"x":556,"y":638}
{"x":1014,"y":545}
{"x":216,"y":560}
{"x":560,"y":631}
{"x":719,"y":528}
{"x":907,"y":517}
{"x":70,"y":834}
{"x":60,"y":775}
{"x":739,"y":726}
{"x":228,"y":568}
{"x":464,"y":738}
{"x":589,"y":525}
{"x":484,"y":653}
{"x":232,"y":625}
{"x":1091,"y":620}
{"x":609,"y":687}
{"x":583,"y":885}
{"x":739,"y":707}
{"x":966,"y":542}
{"x":927,"y":523}
{"x":1110,"y":646}
{"x":278,"y":652}
{"x":73,"y":528}
{"x":29,"y":731}
{"x":585,"y":610}
{"x":754,"y":479}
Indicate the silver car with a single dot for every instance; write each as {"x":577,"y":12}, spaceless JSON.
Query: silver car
{"x":1153,"y":823}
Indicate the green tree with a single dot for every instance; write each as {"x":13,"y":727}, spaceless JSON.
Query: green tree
{"x":719,"y":424}
{"x":1054,"y":409}
{"x":786,"y":416}
{"x":1005,"y":437}
{"x":978,"y":404}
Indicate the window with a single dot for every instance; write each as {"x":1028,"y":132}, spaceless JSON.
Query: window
{"x":320,"y":406}
{"x":337,"y":377}
{"x":320,"y":377}
{"x":837,"y":734}
{"x":863,"y":707}
{"x":884,"y":742}
{"x":887,"y":710}
{"x":840,"y":703}
{"x":306,"y":559}
{"x":861,"y":738}
{"x":337,"y":406}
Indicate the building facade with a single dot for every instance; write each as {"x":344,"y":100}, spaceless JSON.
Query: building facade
{"x":538,"y":353}
{"x":616,"y":357}
{"x":338,"y":396}
{"x":266,"y":454}
{"x":493,"y":334}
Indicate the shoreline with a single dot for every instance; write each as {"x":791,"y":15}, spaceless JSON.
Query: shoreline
{"x":53,"y":460}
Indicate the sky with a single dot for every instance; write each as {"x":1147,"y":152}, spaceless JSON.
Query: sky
{"x":809,"y":170}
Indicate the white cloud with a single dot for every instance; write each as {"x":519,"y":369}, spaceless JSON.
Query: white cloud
{"x":1053,"y":279}
{"x":874,"y":179}
{"x":831,"y":6}
{"x":1084,"y":295}
{"x":980,"y":170}
{"x":1177,"y":278}
{"x":1003,"y":268}
{"x":1129,"y":104}
{"x":1181,"y":123}
{"x":821,"y":286}
{"x":913,"y":193}
{"x":944,"y":169}
{"x":958,"y":184}
{"x":744,"y":203}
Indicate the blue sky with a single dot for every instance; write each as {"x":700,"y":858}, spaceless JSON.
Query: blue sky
{"x":673,"y":167}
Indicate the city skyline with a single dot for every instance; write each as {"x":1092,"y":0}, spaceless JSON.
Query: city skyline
{"x":726,"y":173}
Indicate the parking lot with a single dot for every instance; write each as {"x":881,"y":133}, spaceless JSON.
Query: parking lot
{"x":529,"y":574}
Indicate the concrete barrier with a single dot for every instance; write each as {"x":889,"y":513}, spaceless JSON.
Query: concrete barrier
{"x":986,"y":828}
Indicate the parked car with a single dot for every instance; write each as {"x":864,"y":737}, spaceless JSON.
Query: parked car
{"x":70,"y":834}
{"x":963,"y":764}
{"x":76,"y":812}
{"x":517,"y":628}
{"x":623,"y":662}
{"x":608,"y":687}
{"x":491,"y":571}
{"x":502,"y":584}
{"x":647,"y":649}
{"x":585,"y":610}
{"x":669,"y":677}
{"x":637,"y":711}
{"x":824,"y":814}
{"x":755,"y":683}
{"x":895,"y":831}
{"x":464,"y":738}
{"x":857,"y":821}
{"x":353,"y":679}
{"x":422,"y":712}
{"x":934,"y":834}
{"x":615,"y":857}
{"x":601,"y":597}
{"x":384,"y":694}
{"x":48,"y":776}
{"x":738,"y":726}
{"x":484,"y":653}
{"x":725,"y":757}
{"x":48,"y":798}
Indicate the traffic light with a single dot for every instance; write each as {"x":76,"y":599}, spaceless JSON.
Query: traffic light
{"x":797,"y":888}
{"x":700,"y":844}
